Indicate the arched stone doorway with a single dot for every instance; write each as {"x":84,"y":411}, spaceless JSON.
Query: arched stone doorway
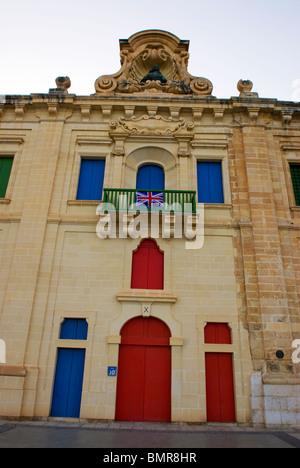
{"x":144,"y":371}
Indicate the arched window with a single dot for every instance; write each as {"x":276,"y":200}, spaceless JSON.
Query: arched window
{"x":147,"y":266}
{"x":150,"y":177}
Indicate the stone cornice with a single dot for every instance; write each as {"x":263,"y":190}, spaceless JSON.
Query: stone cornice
{"x":181,"y":101}
{"x":114,"y":108}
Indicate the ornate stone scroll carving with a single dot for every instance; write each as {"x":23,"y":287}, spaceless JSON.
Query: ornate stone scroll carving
{"x":152,"y":125}
{"x":150,"y":54}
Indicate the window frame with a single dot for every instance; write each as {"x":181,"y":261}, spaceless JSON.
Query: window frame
{"x":213,"y":148}
{"x":88,"y":145}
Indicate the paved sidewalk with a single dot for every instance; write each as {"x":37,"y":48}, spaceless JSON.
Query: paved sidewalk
{"x":76,"y":434}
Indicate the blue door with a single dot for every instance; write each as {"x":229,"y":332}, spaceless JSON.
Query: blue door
{"x":66,"y":399}
{"x":150,"y":177}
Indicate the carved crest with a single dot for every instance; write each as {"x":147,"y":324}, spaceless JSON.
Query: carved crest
{"x":153,"y":62}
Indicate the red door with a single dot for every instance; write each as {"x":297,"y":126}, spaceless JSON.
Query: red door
{"x":144,"y":372}
{"x":219,"y":376}
{"x":219,"y":387}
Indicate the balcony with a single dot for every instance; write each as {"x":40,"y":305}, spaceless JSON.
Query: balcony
{"x":177,"y":201}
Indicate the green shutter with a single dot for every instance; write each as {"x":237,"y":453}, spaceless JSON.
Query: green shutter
{"x":295,"y":173}
{"x":5,"y":169}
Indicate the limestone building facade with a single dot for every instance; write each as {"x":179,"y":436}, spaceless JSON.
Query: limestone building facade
{"x":150,"y":248}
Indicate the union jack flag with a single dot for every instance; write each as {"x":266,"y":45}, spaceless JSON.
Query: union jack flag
{"x":150,"y":199}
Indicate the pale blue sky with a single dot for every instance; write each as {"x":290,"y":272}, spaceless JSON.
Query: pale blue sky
{"x":229,"y":40}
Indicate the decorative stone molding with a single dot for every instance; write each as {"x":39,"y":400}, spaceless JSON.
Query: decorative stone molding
{"x":85,"y":111}
{"x":184,"y":145}
{"x":52,"y":109}
{"x":218,"y":114}
{"x":19,"y":111}
{"x":119,"y":141}
{"x":106,"y":112}
{"x":13,"y":139}
{"x":153,"y":62}
{"x":253,"y":114}
{"x":287,"y":115}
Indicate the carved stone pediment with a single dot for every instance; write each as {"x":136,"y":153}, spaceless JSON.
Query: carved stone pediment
{"x":149,"y":50}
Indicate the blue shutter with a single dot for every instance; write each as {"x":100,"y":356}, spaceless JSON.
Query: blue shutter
{"x":74,"y":329}
{"x":210,"y":185}
{"x":203,"y":182}
{"x":150,"y":177}
{"x":66,"y":399}
{"x":91,"y":178}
